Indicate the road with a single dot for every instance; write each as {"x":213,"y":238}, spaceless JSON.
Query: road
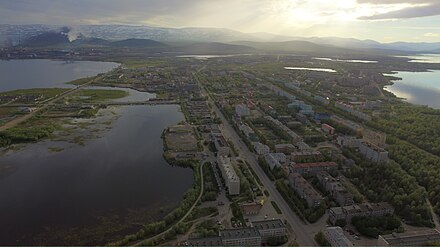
{"x":44,"y":106}
{"x":183,"y":218}
{"x":304,"y":234}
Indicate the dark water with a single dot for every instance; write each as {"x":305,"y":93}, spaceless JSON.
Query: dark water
{"x":422,"y":88}
{"x":42,"y":73}
{"x":124,"y":169}
{"x":83,"y":193}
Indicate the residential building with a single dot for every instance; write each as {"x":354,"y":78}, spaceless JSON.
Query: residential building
{"x":347,"y":123}
{"x":242,"y":110}
{"x":365,"y":209}
{"x":232,"y":181}
{"x":313,"y":168}
{"x":305,"y":190}
{"x":240,"y":237}
{"x":348,"y":141}
{"x":373,"y":152}
{"x":335,"y":236}
{"x":374,"y":137}
{"x":275,"y":159}
{"x":270,"y":228}
{"x":321,"y":100}
{"x":247,"y":131}
{"x":305,"y":155}
{"x":221,"y":144}
{"x":328,"y":129}
{"x":335,"y":188}
{"x":295,"y":137}
{"x":209,"y":241}
{"x":284,"y":148}
{"x":260,"y":148}
{"x":416,"y":238}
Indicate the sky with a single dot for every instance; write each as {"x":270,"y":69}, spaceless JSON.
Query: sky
{"x":381,"y":20}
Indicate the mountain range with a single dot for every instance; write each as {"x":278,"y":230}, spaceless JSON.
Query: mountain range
{"x":141,"y":36}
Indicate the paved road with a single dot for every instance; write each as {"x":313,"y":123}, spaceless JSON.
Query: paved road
{"x":140,"y":243}
{"x":304,"y":234}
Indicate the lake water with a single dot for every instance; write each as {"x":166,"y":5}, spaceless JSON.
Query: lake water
{"x":95,"y":193}
{"x":422,"y":88}
{"x":41,"y":73}
{"x":311,"y":69}
{"x":426,"y":58}
{"x":343,"y":60}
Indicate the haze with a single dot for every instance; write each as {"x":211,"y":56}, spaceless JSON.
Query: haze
{"x":381,"y":20}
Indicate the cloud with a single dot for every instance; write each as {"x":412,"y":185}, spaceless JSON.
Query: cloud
{"x":432,"y":35}
{"x":416,"y":8}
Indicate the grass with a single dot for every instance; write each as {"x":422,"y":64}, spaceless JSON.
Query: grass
{"x":97,"y":95}
{"x":275,"y":206}
{"x":40,"y":93}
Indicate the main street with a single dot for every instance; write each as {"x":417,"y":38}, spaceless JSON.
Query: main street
{"x":304,"y":233}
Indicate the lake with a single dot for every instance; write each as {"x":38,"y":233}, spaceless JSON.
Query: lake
{"x":344,"y":61}
{"x":422,"y":88}
{"x":311,"y":69}
{"x":41,"y":73}
{"x":424,"y":58}
{"x":95,"y":193}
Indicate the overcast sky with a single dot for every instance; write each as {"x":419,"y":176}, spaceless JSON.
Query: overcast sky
{"x":383,"y":20}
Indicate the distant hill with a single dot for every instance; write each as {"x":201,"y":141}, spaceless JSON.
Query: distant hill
{"x":299,"y":47}
{"x":137,"y":43}
{"x":214,"y":48}
{"x":91,"y":42}
{"x":145,"y":36}
{"x":47,"y":39}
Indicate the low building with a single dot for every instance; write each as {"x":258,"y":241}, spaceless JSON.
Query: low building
{"x":240,"y":237}
{"x":335,"y":188}
{"x":259,"y":232}
{"x":252,"y":208}
{"x":232,"y":181}
{"x":348,"y":141}
{"x":242,"y":110}
{"x":373,"y":152}
{"x":284,"y":148}
{"x":209,"y":241}
{"x":365,"y":209}
{"x":305,"y":155}
{"x":270,"y":228}
{"x":313,"y":168}
{"x":275,"y":159}
{"x":247,"y":131}
{"x":260,"y":148}
{"x":417,"y":238}
{"x":221,"y":144}
{"x":328,"y":129}
{"x":305,"y":190}
{"x":295,"y":137}
{"x":335,"y":236}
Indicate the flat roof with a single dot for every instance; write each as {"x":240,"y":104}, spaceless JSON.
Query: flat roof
{"x":410,"y":237}
{"x":268,"y":224}
{"x":239,"y":233}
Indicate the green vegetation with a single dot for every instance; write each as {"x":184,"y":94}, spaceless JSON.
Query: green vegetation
{"x":211,"y":190}
{"x":390,"y":183}
{"x":420,"y":164}
{"x":277,"y":241}
{"x":321,"y":240}
{"x":298,"y":205}
{"x":237,"y":214}
{"x":35,"y":95}
{"x":95,"y":95}
{"x":275,"y":206}
{"x":374,"y":226}
{"x":31,"y":131}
